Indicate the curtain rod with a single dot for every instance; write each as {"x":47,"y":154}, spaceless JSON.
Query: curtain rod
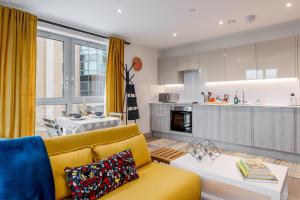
{"x":75,"y":29}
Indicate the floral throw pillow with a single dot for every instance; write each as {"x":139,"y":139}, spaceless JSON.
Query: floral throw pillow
{"x":97,"y":179}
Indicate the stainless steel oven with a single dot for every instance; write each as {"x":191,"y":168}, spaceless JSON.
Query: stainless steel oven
{"x":181,"y":118}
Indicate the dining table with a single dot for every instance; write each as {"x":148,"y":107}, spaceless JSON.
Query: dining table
{"x":71,"y":125}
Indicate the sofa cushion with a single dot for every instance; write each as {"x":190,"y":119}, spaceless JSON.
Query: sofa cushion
{"x":97,"y":179}
{"x":67,"y":143}
{"x":61,"y":161}
{"x":136,"y":144}
{"x":159,"y":182}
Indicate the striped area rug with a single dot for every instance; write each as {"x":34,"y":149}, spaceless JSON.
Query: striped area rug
{"x":293,"y":171}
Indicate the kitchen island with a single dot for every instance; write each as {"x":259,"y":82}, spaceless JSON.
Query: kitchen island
{"x":262,"y":129}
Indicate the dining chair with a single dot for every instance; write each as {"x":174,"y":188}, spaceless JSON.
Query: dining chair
{"x":53,"y":127}
{"x":115,"y":114}
{"x":118,"y":115}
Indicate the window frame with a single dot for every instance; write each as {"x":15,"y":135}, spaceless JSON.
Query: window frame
{"x":69,"y":97}
{"x":89,"y":99}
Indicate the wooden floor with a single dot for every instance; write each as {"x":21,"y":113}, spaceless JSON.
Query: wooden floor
{"x":293,"y":183}
{"x":294,"y":188}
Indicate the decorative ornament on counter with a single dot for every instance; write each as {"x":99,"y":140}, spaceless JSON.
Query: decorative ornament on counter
{"x":199,"y":148}
{"x":137,"y":64}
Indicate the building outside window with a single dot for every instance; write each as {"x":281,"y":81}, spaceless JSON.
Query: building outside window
{"x":92,"y":71}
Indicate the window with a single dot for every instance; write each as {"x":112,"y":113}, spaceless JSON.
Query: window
{"x":50,"y":64}
{"x":69,"y":72}
{"x":90,"y":69}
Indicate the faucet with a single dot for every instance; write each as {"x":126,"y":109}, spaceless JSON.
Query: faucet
{"x":243,"y":97}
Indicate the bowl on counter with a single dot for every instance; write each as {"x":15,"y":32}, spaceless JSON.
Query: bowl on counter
{"x":75,"y":115}
{"x":98,"y":114}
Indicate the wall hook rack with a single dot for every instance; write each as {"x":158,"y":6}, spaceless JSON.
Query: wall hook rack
{"x":130,"y":99}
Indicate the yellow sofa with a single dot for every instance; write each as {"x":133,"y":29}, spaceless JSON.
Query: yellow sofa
{"x":155,"y":182}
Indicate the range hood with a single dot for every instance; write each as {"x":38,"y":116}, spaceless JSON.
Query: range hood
{"x":193,"y":85}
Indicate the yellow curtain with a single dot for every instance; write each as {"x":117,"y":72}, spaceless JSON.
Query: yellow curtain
{"x":114,"y":80}
{"x":17,"y":73}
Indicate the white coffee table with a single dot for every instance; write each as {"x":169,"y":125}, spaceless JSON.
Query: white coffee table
{"x":221,"y":179}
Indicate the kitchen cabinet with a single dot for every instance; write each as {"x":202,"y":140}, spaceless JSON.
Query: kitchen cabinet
{"x":212,"y":64}
{"x":167,"y":71}
{"x":188,"y":62}
{"x":160,"y":118}
{"x":240,"y":62}
{"x":298,"y":58}
{"x":206,"y":122}
{"x":297,"y":137}
{"x":235,"y":125}
{"x":273,"y":128}
{"x":277,"y":58}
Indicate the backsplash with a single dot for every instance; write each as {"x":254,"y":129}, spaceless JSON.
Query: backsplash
{"x":268,"y":91}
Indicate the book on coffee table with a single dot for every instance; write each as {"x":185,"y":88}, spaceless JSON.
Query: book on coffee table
{"x":255,"y":170}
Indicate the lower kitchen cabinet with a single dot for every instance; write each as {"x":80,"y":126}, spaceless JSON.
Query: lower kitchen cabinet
{"x":235,"y":125}
{"x":297,"y":138}
{"x":206,"y":121}
{"x":273,"y":128}
{"x":160,"y":118}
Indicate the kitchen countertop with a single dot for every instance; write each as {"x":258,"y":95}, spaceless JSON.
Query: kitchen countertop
{"x":231,"y":104}
{"x":179,"y":103}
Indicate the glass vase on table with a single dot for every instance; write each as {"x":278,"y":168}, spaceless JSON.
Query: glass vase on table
{"x":83,"y":108}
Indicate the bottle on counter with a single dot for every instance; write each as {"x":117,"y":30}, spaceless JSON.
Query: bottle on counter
{"x":236,"y":99}
{"x":226,"y":98}
{"x":293,"y":99}
{"x":205,"y":97}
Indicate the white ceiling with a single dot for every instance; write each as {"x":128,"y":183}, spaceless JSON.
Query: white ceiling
{"x":152,"y":22}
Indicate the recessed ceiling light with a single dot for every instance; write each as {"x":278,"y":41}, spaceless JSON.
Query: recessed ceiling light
{"x":221,"y":22}
{"x":231,"y":21}
{"x":119,"y":10}
{"x":192,"y":9}
{"x":174,"y":34}
{"x":250,"y":18}
{"x":288,"y":4}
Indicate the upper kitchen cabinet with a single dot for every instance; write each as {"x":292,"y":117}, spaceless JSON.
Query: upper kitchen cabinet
{"x":167,"y":71}
{"x":277,"y":58}
{"x":240,"y":63}
{"x":213,"y":65}
{"x":188,"y":62}
{"x":298,"y":64}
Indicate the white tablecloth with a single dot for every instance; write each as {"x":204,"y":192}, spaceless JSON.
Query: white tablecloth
{"x":70,"y":126}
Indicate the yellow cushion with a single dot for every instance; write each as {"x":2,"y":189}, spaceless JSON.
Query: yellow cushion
{"x":159,"y":182}
{"x":61,"y":161}
{"x":136,"y":144}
